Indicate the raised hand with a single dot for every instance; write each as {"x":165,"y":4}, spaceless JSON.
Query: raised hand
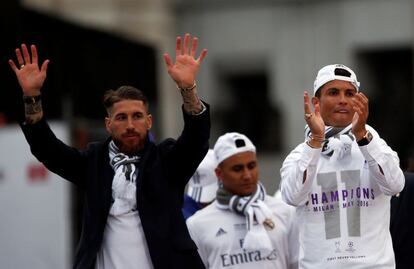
{"x":30,"y":77}
{"x":184,"y":70}
{"x":360,"y":118}
{"x":314,"y":121}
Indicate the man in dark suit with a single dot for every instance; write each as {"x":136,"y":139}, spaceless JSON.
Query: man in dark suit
{"x":402,"y":223}
{"x":133,"y":187}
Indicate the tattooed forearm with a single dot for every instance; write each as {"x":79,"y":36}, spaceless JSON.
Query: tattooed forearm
{"x":192,"y":104}
{"x":33,"y":112}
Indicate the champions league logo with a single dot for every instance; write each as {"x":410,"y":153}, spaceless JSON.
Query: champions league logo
{"x":350,"y":247}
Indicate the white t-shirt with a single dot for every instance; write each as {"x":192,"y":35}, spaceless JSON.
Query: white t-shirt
{"x":219,"y":236}
{"x":124,"y":245}
{"x":343,"y":205}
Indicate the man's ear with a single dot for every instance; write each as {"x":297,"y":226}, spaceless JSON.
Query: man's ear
{"x":218,"y":172}
{"x":149,"y":121}
{"x":108,"y":124}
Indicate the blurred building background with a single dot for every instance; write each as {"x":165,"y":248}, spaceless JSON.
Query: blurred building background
{"x":261,"y":56}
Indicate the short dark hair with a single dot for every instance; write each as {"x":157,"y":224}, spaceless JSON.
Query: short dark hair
{"x":123,"y":93}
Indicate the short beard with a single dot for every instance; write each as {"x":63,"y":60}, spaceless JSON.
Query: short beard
{"x":129,"y":150}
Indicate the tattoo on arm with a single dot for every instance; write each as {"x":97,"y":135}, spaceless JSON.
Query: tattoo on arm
{"x":33,"y":112}
{"x":192,"y":103}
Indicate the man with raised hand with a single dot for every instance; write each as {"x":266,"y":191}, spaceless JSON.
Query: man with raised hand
{"x":133,"y":188}
{"x":341,"y":179}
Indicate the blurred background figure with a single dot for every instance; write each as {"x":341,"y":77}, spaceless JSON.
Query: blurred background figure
{"x":402,"y":219}
{"x":202,"y":188}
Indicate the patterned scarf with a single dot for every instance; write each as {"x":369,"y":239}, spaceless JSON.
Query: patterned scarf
{"x":257,"y":213}
{"x":338,"y":141}
{"x":123,"y":185}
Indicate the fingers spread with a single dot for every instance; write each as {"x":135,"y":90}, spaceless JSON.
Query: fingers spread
{"x":19,"y":57}
{"x":202,"y":55}
{"x":167,"y":60}
{"x":178,"y":46}
{"x":13,"y":66}
{"x":34,"y":54}
{"x":194,"y":46}
{"x":186,"y":44}
{"x":44,"y":66}
{"x":26,"y":55}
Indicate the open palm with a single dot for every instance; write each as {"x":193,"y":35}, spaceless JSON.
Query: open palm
{"x":29,"y":76}
{"x":184,"y":70}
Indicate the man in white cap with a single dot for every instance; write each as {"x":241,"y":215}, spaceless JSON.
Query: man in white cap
{"x":202,"y":187}
{"x":341,"y":179}
{"x":244,"y":227}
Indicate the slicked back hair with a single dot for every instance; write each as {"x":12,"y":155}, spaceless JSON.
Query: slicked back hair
{"x":124,"y":93}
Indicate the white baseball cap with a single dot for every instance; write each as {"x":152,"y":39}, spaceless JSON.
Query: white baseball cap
{"x":230,"y":144}
{"x":335,"y":72}
{"x":203,"y":185}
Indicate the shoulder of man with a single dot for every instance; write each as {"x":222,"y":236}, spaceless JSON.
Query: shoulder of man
{"x":209,"y":212}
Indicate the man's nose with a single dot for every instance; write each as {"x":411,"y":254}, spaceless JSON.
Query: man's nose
{"x":247,"y":173}
{"x":342,"y":98}
{"x":130,"y":124}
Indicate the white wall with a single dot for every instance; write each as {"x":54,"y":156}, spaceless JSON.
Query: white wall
{"x":35,"y":207}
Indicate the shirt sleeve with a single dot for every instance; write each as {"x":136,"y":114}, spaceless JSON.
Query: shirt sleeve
{"x":383,"y":164}
{"x":194,"y":233}
{"x":203,"y":109}
{"x":295,"y":187}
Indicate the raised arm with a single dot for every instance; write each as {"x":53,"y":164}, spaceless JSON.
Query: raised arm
{"x":31,"y":80}
{"x":299,"y":167}
{"x":184,"y":70}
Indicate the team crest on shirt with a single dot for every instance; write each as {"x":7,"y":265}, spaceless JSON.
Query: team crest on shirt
{"x":269,"y":224}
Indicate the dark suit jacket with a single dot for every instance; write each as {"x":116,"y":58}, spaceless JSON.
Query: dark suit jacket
{"x":163,"y":173}
{"x":402,"y":224}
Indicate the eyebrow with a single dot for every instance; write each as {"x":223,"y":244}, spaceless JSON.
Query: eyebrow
{"x":349,"y":89}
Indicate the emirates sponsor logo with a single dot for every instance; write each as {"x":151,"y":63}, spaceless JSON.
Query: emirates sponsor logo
{"x":243,"y":257}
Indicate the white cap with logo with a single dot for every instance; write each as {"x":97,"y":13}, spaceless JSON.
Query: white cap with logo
{"x":335,"y":72}
{"x":203,"y":184}
{"x":230,"y":144}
